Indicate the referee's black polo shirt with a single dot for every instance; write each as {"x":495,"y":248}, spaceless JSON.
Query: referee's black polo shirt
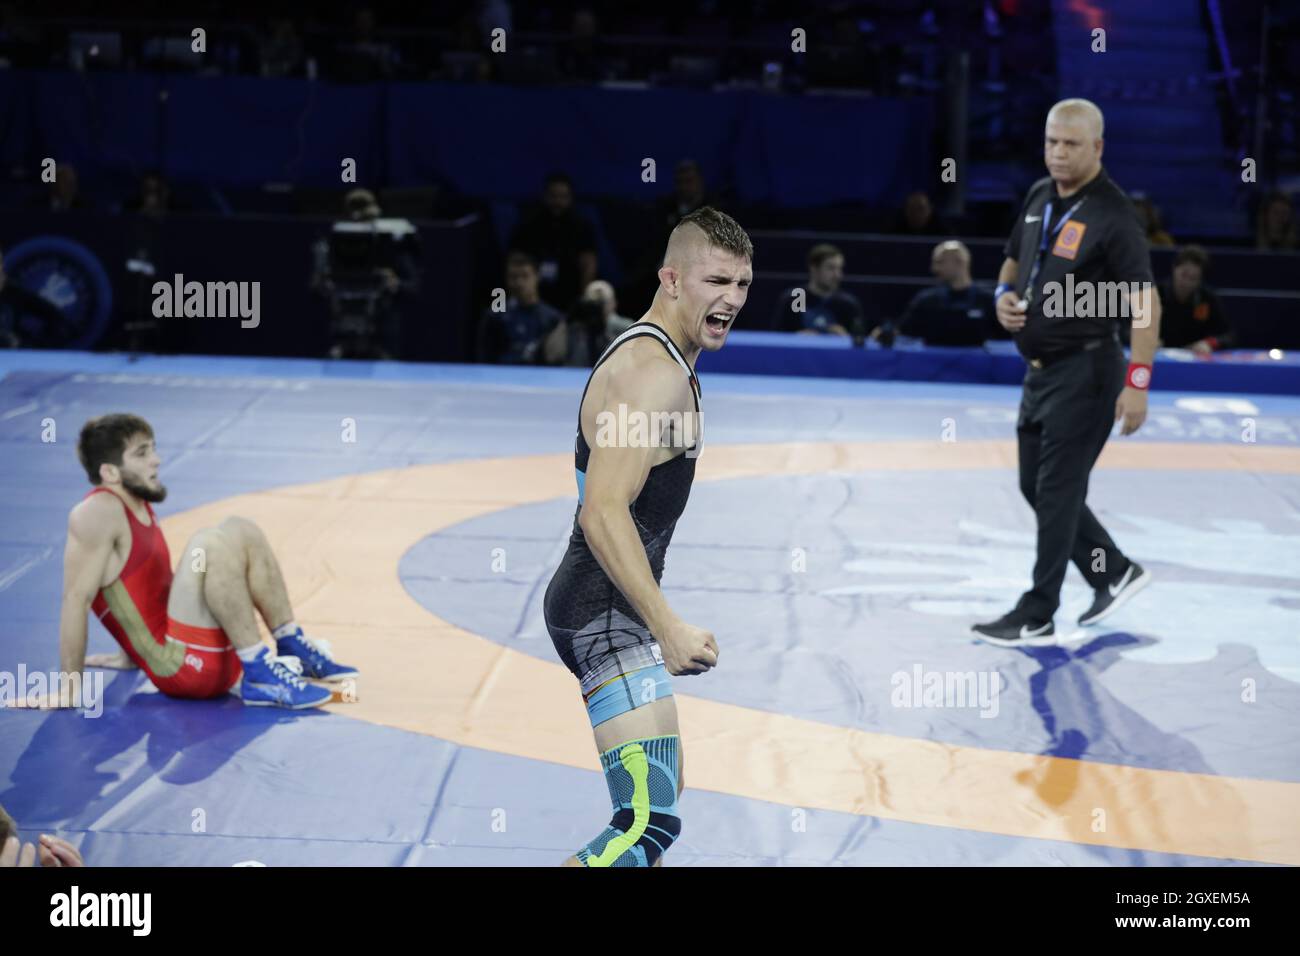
{"x":1100,"y":240}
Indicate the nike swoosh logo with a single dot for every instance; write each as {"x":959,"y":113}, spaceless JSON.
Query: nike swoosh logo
{"x":1114,"y":589}
{"x":1032,"y":218}
{"x":1025,"y":631}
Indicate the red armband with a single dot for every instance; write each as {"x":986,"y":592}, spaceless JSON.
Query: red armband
{"x":1139,"y":376}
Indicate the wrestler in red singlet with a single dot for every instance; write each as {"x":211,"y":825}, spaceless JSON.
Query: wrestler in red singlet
{"x":180,"y":659}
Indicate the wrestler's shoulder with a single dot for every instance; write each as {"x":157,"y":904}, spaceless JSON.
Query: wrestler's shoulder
{"x":641,"y":367}
{"x":96,"y":515}
{"x":644,"y":352}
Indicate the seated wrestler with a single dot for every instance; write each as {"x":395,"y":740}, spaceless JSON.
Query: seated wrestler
{"x":192,"y":631}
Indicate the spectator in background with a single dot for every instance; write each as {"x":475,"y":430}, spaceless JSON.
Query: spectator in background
{"x":687,"y":196}
{"x":281,"y":50}
{"x":587,"y":330}
{"x":954,"y":311}
{"x":154,"y":198}
{"x":516,"y":336}
{"x":65,"y":191}
{"x":580,"y":57}
{"x":1152,"y":225}
{"x":365,"y":58}
{"x":562,"y":242}
{"x":467,"y":58}
{"x":1191,"y":314}
{"x":602,"y":292}
{"x":918,"y":218}
{"x":1275,"y":224}
{"x":822,"y":307}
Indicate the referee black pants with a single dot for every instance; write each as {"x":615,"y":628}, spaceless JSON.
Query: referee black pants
{"x":1067,"y":411}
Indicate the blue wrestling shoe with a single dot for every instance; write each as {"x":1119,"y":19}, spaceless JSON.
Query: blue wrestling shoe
{"x":274,"y":682}
{"x":316,"y":661}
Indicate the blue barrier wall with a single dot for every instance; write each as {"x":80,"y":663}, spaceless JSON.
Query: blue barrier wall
{"x":997,"y":363}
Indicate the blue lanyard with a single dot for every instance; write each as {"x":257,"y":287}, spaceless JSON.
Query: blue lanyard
{"x":1046,"y":234}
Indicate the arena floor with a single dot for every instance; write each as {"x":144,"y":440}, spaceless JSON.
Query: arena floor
{"x":840,"y":539}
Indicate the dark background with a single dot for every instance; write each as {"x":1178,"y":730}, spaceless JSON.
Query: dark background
{"x":250,"y":136}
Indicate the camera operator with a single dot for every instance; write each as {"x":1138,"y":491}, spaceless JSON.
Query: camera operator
{"x":593,"y":322}
{"x":362,"y":269}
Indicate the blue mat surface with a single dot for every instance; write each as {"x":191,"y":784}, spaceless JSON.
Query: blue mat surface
{"x":898,"y":564}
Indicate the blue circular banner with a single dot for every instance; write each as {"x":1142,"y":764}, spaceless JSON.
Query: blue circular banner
{"x":69,"y":276}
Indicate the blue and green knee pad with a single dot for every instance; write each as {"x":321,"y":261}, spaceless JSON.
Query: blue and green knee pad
{"x":642,"y":780}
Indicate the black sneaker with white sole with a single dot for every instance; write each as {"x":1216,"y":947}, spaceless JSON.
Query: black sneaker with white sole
{"x":1114,"y":596}
{"x":1017,"y":629}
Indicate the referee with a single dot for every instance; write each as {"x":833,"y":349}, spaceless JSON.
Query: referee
{"x":1076,"y":239}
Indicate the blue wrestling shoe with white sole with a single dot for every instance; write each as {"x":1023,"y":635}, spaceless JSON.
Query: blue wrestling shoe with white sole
{"x":275,"y":682}
{"x":317,"y":664}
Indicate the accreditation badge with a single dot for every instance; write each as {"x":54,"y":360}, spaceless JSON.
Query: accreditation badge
{"x":1069,"y":239}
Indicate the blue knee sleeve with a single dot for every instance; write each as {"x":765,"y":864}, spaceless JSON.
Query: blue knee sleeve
{"x":627,"y":692}
{"x":642,"y":778}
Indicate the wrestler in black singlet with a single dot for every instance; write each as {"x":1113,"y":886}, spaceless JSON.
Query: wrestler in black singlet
{"x":597,"y":633}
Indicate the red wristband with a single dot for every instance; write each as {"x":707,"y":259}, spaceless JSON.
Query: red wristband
{"x":1139,"y":376}
{"x":1212,"y":342}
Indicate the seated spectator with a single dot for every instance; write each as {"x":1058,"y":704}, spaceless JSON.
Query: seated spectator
{"x":281,"y":51}
{"x":65,"y":192}
{"x":1275,"y":224}
{"x":826,"y":308}
{"x":954,"y":311}
{"x":602,"y":292}
{"x":467,"y":58}
{"x":52,"y":850}
{"x":1191,"y":314}
{"x":584,"y":334}
{"x":1152,"y":225}
{"x":918,"y":218}
{"x":581,"y":59}
{"x":515,"y":336}
{"x":561,"y":241}
{"x":154,"y":198}
{"x":364,"y":58}
{"x":687,"y":196}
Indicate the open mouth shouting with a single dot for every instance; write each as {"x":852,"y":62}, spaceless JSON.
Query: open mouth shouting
{"x":717,"y":323}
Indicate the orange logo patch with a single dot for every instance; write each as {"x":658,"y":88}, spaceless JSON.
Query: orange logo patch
{"x":1067,"y":242}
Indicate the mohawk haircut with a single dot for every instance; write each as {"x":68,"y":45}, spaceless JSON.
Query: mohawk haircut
{"x":721,"y":230}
